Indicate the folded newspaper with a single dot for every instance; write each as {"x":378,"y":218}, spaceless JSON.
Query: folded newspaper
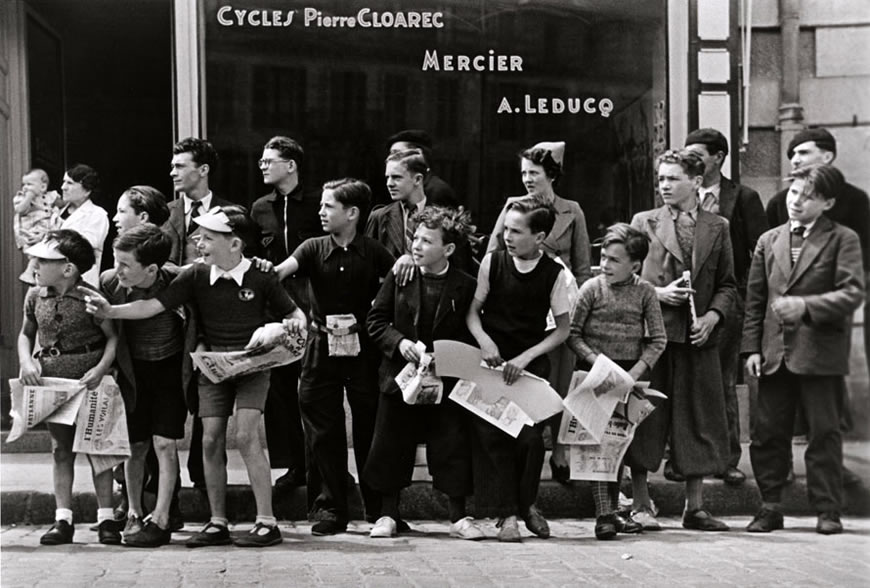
{"x":501,"y":412}
{"x":219,"y":366}
{"x":418,"y":382}
{"x":99,"y":416}
{"x":592,"y":396}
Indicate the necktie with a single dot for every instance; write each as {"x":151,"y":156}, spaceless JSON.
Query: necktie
{"x":409,"y":227}
{"x":195,"y":211}
{"x":709,"y":203}
{"x":797,"y":241}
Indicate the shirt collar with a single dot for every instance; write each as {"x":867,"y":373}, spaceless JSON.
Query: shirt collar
{"x":792,"y":225}
{"x":294,"y":194}
{"x":693,"y":212}
{"x":74,"y":292}
{"x":441,"y":273}
{"x":188,"y":202}
{"x":420,"y":205}
{"x":358,"y":245}
{"x":237,"y":274}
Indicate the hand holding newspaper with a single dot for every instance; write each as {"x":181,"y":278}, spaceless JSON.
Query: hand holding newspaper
{"x":418,"y":383}
{"x":219,"y":366}
{"x":592,"y":396}
{"x":57,"y":400}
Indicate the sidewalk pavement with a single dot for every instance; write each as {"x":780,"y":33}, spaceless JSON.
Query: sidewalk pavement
{"x":428,"y":557}
{"x":26,"y":487}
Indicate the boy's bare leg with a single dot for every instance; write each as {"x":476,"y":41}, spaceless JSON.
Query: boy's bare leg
{"x":63,"y":463}
{"x":167,"y":458}
{"x":134,"y":476}
{"x":214,"y":443}
{"x":103,"y":483}
{"x":259,"y":474}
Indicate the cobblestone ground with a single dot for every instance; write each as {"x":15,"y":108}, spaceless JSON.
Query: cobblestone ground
{"x":428,"y":557}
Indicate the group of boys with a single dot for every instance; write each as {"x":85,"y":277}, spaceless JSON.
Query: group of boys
{"x":364,"y":311}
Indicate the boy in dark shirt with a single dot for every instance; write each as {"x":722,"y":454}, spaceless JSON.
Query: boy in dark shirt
{"x":517,"y":288}
{"x":232,"y":300}
{"x":345,"y":269}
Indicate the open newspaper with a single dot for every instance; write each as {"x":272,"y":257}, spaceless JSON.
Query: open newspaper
{"x":599,"y":459}
{"x":533,"y":395}
{"x":99,"y":416}
{"x":418,"y":382}
{"x":500,"y":411}
{"x":219,"y":366}
{"x":592,"y":396}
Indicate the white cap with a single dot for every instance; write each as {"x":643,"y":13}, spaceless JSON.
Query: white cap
{"x":556,"y":149}
{"x":45,"y":250}
{"x":216,"y":220}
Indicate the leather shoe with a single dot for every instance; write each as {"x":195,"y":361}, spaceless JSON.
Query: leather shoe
{"x":671,"y":474}
{"x":701,"y":520}
{"x":536,"y":523}
{"x":209,"y":536}
{"x":765,"y":521}
{"x":328,"y":527}
{"x":733,"y":477}
{"x":605,"y":526}
{"x":561,"y":473}
{"x":294,"y":478}
{"x":829,"y":523}
{"x":108,"y":533}
{"x":627,"y":525}
{"x":61,"y":532}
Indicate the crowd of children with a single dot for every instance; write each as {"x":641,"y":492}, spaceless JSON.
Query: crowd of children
{"x":379,"y":300}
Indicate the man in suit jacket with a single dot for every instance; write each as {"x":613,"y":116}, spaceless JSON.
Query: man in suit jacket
{"x":683,"y":236}
{"x":804,"y":284}
{"x":286,"y":217}
{"x":193,"y":160}
{"x":439,"y":192}
{"x":742,"y":207}
{"x":851,"y":208}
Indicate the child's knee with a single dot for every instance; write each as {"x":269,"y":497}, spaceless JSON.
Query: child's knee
{"x":62,"y":453}
{"x":248,"y":440}
{"x":139,"y":450}
{"x":164,"y":445}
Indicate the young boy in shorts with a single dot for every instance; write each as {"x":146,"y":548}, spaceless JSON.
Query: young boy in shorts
{"x":72,"y":345}
{"x":232,"y":300}
{"x":431,"y":306}
{"x":150,"y":356}
{"x":517,"y":288}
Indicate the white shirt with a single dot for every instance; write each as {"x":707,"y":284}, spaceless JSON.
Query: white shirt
{"x":92,"y":223}
{"x":237,"y":274}
{"x":188,"y":206}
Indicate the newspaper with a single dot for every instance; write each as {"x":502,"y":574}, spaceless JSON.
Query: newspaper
{"x":219,"y":366}
{"x":418,"y":383}
{"x":101,"y":426}
{"x":501,"y":412}
{"x":592,"y":396}
{"x":342,"y":340}
{"x":532,"y":394}
{"x":57,"y":400}
{"x":589,"y":460}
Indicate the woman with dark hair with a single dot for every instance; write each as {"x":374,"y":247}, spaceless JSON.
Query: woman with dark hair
{"x":568,"y":242}
{"x":139,"y":205}
{"x":80,"y":214}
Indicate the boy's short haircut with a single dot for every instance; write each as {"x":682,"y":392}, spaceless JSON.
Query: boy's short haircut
{"x":690,"y":161}
{"x":201,"y":151}
{"x":243,"y":227}
{"x":636,"y":242}
{"x":540,"y":215}
{"x":413,"y":160}
{"x":147,"y":242}
{"x":455,"y":224}
{"x":148,"y":199}
{"x":287,"y":148}
{"x":351,"y":192}
{"x":75,"y":248}
{"x":824,"y":179}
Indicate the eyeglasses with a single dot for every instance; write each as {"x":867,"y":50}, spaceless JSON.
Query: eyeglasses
{"x":269,"y":162}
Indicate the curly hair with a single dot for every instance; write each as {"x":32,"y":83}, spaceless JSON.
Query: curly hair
{"x":454,"y":223}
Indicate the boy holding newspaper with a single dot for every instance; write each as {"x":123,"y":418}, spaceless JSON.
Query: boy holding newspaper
{"x":618,"y":315}
{"x":517,"y":288}
{"x":72,"y":345}
{"x":233,"y":300}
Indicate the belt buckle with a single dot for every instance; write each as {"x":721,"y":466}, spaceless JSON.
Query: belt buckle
{"x":53,"y":351}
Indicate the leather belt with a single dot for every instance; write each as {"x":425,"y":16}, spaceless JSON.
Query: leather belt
{"x":54,"y":351}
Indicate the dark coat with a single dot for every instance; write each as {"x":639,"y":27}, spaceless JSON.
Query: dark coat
{"x":182,"y":246}
{"x":386,"y":225}
{"x":395,"y":315}
{"x":742,"y":207}
{"x":828,"y":276}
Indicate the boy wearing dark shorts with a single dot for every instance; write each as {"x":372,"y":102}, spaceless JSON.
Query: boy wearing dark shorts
{"x":232,"y":300}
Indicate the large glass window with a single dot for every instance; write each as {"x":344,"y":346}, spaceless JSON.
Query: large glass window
{"x":486,"y":78}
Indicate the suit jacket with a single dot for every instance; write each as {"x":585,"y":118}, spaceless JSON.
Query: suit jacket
{"x":569,"y":239}
{"x":183,"y":247}
{"x":117,"y":294}
{"x":712,"y":267}
{"x":828,"y":276}
{"x":386,"y":225}
{"x":304,"y":222}
{"x":747,"y":220}
{"x":851,"y":209}
{"x":395,"y":315}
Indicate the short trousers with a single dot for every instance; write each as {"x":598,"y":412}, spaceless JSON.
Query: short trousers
{"x":160,"y":408}
{"x":217,"y":400}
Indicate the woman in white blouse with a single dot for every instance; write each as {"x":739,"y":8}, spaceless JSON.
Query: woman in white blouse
{"x":80,"y":214}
